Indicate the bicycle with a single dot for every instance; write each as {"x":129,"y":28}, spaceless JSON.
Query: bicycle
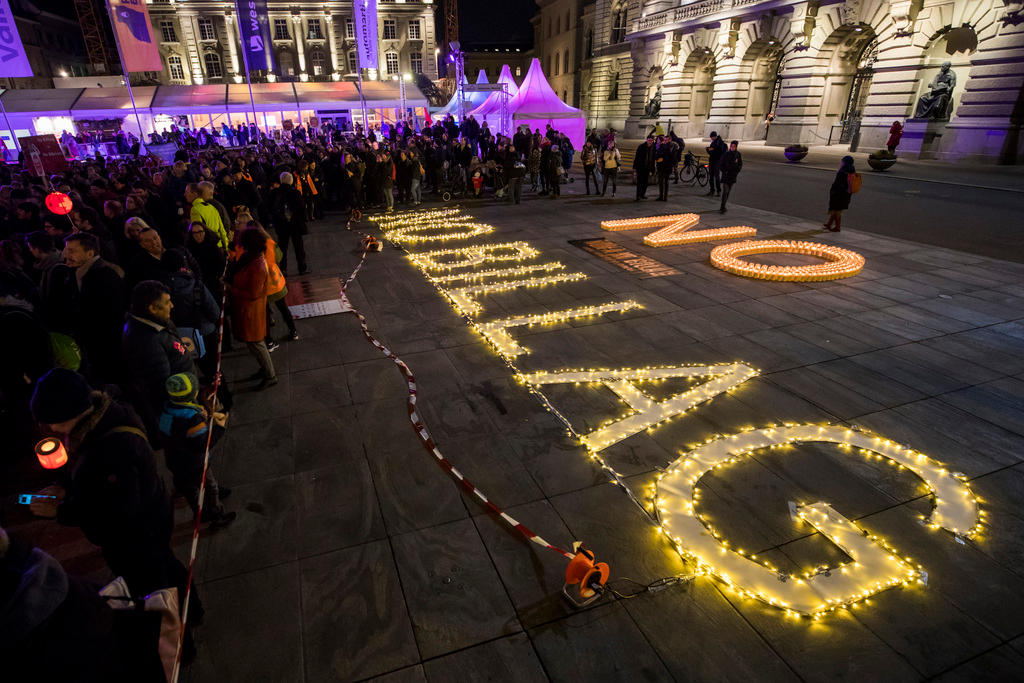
{"x":693,"y":170}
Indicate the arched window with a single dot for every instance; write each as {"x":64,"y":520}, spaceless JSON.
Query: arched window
{"x":175,"y":69}
{"x":318,"y":61}
{"x":619,"y":23}
{"x":211,"y":62}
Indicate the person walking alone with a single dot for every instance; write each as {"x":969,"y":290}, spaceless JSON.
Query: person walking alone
{"x":716,"y":150}
{"x":732,"y":162}
{"x":839,"y":194}
{"x":895,"y":133}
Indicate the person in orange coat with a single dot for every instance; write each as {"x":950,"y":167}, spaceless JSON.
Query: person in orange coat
{"x":246,"y":284}
{"x":277,"y":288}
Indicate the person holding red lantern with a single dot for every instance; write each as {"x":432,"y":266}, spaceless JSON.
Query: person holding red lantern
{"x":110,"y":487}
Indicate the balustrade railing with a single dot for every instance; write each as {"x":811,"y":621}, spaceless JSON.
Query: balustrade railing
{"x":688,"y":12}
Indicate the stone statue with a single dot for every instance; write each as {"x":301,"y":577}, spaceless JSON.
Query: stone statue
{"x":935,"y":104}
{"x":653,"y":107}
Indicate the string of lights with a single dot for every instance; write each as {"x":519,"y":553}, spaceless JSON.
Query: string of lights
{"x":464,"y":298}
{"x":876,"y":565}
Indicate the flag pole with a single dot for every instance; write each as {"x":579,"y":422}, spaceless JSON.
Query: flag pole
{"x":14,"y":136}
{"x":124,"y":70}
{"x":359,"y":73}
{"x":248,"y":80}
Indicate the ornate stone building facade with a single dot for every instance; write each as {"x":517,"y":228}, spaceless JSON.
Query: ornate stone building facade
{"x":313,"y":41}
{"x":832,"y":73}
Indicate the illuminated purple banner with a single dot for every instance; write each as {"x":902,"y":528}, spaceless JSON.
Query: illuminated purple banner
{"x":13,"y":60}
{"x":254,"y":30}
{"x":366,"y":33}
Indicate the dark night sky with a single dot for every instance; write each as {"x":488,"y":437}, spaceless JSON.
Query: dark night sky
{"x":495,"y":22}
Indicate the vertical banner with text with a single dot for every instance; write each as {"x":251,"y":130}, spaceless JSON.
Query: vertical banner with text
{"x":135,"y":33}
{"x":254,"y":31}
{"x":366,"y":33}
{"x":13,"y":60}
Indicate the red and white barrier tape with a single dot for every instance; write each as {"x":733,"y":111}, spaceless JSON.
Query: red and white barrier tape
{"x":424,"y":435}
{"x":202,"y":491}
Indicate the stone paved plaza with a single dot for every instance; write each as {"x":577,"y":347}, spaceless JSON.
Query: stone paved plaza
{"x":355,"y":556}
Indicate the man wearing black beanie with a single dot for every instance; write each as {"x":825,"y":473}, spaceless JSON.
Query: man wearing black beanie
{"x":110,"y":487}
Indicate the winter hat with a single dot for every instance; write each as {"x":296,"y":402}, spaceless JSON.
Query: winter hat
{"x":182,"y":387}
{"x":60,"y":395}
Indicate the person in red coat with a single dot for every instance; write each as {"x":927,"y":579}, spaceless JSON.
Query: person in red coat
{"x":246,"y":284}
{"x":895,"y":133}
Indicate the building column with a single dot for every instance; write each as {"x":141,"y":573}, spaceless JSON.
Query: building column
{"x":299,"y":35}
{"x":636,"y":127}
{"x":229,"y":25}
{"x":190,"y":35}
{"x":332,"y":41}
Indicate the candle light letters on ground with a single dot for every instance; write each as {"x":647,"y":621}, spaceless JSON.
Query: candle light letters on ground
{"x":465,"y":272}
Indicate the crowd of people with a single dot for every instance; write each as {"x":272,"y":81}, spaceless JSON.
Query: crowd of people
{"x":113,"y":325}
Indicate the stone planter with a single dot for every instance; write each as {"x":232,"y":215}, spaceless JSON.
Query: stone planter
{"x":796,"y":152}
{"x":881,"y":163}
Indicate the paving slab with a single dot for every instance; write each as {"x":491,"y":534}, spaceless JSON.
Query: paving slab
{"x":506,"y":659}
{"x":359,"y":585}
{"x":454,"y":596}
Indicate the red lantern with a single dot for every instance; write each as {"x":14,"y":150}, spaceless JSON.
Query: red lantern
{"x":51,"y":453}
{"x":59,"y":203}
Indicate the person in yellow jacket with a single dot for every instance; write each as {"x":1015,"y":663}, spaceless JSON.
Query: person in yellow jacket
{"x":207,"y":214}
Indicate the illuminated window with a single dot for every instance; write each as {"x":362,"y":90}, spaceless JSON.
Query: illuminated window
{"x":211,"y":60}
{"x":314,"y":31}
{"x":519,"y":71}
{"x":350,"y":29}
{"x":167,"y":32}
{"x":619,"y":23}
{"x":391,"y":63}
{"x":318,"y":60}
{"x":389,"y":29}
{"x":175,"y":69}
{"x":414,"y":29}
{"x":281,"y":29}
{"x":416,"y":62}
{"x":206,"y":31}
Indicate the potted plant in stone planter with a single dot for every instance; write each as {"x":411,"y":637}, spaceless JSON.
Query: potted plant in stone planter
{"x":881,"y":160}
{"x":796,"y":152}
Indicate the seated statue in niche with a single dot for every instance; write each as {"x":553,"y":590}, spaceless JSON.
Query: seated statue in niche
{"x":653,"y":107}
{"x":936,"y":102}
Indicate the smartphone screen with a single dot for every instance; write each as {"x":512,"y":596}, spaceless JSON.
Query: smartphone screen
{"x":27,"y":498}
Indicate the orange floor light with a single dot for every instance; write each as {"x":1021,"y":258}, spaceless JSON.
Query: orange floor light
{"x":51,"y":453}
{"x":840,"y":262}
